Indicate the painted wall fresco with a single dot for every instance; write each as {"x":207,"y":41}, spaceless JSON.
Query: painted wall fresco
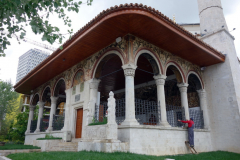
{"x":87,"y":65}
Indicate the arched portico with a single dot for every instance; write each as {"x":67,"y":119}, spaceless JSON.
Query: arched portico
{"x":44,"y":104}
{"x":197,"y":101}
{"x":32,"y":124}
{"x":58,"y":99}
{"x":107,"y":76}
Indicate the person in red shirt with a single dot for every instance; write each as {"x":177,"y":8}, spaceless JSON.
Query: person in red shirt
{"x":190,"y":131}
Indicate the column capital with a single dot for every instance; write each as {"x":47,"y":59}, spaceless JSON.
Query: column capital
{"x":182,"y":87}
{"x":94,"y":83}
{"x":160,"y":79}
{"x":32,"y":107}
{"x":54,"y":99}
{"x":201,"y":93}
{"x":41,"y":104}
{"x":129,"y":69}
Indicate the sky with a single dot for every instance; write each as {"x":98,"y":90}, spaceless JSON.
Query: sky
{"x":185,"y":11}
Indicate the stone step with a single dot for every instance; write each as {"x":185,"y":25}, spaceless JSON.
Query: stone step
{"x":66,"y":146}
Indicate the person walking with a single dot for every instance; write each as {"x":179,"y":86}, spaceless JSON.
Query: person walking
{"x":190,"y":131}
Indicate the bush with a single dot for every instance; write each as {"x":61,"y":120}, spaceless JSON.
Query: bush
{"x":49,"y":137}
{"x":98,"y":123}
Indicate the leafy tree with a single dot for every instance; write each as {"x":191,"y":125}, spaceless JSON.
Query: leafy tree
{"x":16,"y":14}
{"x":11,"y":117}
{"x":17,"y":130}
{"x":8,"y":99}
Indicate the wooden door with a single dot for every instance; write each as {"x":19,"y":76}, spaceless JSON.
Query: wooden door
{"x":79,"y":123}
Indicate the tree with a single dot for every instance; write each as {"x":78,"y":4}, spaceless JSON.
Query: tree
{"x":16,"y":14}
{"x":16,"y":106}
{"x":7,"y":100}
{"x":17,"y":130}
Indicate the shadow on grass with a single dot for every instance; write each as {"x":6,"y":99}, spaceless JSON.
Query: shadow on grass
{"x":17,"y":146}
{"x":84,"y":155}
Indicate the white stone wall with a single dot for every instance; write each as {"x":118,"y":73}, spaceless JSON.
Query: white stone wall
{"x":222,"y":81}
{"x":222,"y":88}
{"x":29,"y":138}
{"x":158,"y":141}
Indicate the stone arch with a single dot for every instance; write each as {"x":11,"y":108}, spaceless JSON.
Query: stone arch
{"x":177,"y":71}
{"x":57,"y":86}
{"x":42,"y":94}
{"x":196,"y":78}
{"x":35,"y":99}
{"x":152,"y":58}
{"x":75,"y":74}
{"x":101,"y":63}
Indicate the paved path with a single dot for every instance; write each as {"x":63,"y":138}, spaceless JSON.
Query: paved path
{"x":4,"y":158}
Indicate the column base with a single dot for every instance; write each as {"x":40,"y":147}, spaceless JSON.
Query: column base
{"x":49,"y":129}
{"x":165,"y":124}
{"x":131,"y":122}
{"x":37,"y":131}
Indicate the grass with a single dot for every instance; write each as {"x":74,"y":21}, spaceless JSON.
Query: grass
{"x":84,"y":155}
{"x":17,"y":146}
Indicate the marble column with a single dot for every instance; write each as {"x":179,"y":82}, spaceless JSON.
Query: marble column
{"x":52,"y":112}
{"x":203,"y":105}
{"x":129,"y":72}
{"x":40,"y":115}
{"x":160,"y":81}
{"x":184,"y":99}
{"x":67,"y":110}
{"x":30,"y":117}
{"x":93,"y":84}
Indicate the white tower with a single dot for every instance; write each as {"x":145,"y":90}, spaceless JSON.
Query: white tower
{"x":222,"y":80}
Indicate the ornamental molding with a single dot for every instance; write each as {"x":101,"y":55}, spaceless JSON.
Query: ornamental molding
{"x":54,"y":100}
{"x":94,"y":83}
{"x":182,"y":87}
{"x":31,"y":107}
{"x":201,"y":93}
{"x":129,"y":69}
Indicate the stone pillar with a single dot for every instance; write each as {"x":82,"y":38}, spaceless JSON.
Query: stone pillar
{"x":111,"y":124}
{"x":203,"y":105}
{"x":129,"y":72}
{"x":52,"y":112}
{"x":30,"y":117}
{"x":184,"y":99}
{"x":67,"y":110}
{"x":160,"y":81}
{"x":93,"y":98}
{"x":40,"y":115}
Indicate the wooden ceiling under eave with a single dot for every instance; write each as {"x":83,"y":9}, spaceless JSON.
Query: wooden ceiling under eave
{"x":104,"y":30}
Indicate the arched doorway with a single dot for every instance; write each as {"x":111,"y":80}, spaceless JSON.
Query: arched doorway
{"x":59,"y":111}
{"x":172,"y":95}
{"x":195,"y":111}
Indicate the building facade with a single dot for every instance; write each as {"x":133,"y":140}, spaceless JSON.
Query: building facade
{"x":143,"y":72}
{"x":28,"y":61}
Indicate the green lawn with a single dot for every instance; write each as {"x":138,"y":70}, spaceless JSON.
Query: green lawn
{"x":219,"y":155}
{"x":17,"y":146}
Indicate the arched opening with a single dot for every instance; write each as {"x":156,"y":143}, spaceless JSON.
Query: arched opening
{"x":33,"y":125}
{"x":147,"y":111}
{"x":59,"y":115}
{"x":44,"y":121}
{"x":110,"y":72}
{"x":172,"y":95}
{"x":195,"y":110}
